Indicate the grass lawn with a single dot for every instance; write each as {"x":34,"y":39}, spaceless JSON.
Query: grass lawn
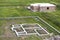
{"x":15,"y":12}
{"x":16,"y":38}
{"x":52,"y":18}
{"x":5,"y":31}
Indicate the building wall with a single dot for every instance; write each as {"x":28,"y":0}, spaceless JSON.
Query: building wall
{"x":47,"y":9}
{"x":34,"y":8}
{"x":43,"y":9}
{"x":52,"y":8}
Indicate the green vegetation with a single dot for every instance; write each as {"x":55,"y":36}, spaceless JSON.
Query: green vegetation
{"x":28,"y":38}
{"x":8,"y":8}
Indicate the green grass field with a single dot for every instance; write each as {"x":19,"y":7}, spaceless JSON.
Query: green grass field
{"x":52,"y":18}
{"x":7,"y":32}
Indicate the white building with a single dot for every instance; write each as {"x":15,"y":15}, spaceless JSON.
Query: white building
{"x":42,"y":7}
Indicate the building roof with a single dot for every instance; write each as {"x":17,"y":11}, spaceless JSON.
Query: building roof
{"x":42,"y":4}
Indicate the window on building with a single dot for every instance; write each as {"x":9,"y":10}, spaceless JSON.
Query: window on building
{"x":48,"y":8}
{"x":32,"y":7}
{"x":38,"y":8}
